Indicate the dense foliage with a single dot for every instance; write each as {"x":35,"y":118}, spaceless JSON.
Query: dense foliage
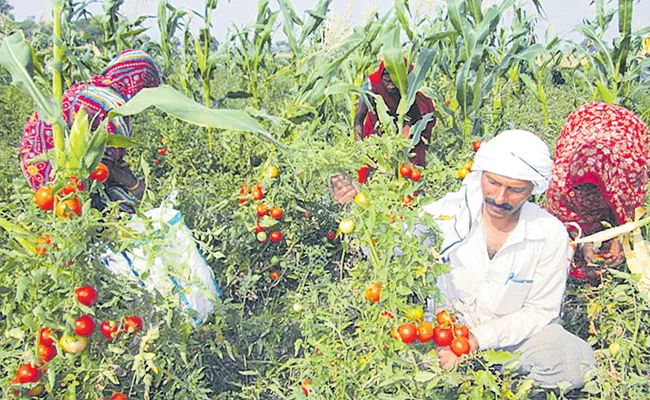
{"x":293,"y":319}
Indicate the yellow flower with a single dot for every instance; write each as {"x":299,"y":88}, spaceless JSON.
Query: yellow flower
{"x":32,"y":170}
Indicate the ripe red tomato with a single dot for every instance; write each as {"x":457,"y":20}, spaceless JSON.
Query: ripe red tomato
{"x":275,"y":236}
{"x":84,"y":326}
{"x":476,"y":145}
{"x":257,"y":194}
{"x":262,"y":210}
{"x":275,"y":275}
{"x":442,"y":336}
{"x":276,"y":212}
{"x":132,"y":324}
{"x":28,"y":373}
{"x":444,"y":318}
{"x":86,"y":295}
{"x":461,"y":331}
{"x":162,"y":151}
{"x":46,"y":353}
{"x":65,"y":209}
{"x":460,"y":346}
{"x":416,"y":175}
{"x":406,"y":171}
{"x":373,"y":292}
{"x":330,"y":236}
{"x":45,"y":337}
{"x":408,"y":332}
{"x":425,"y":332}
{"x":44,"y":199}
{"x":74,"y":185}
{"x":109,"y":329}
{"x":100,"y":174}
{"x":259,"y":228}
{"x":119,"y":396}
{"x":305,"y":387}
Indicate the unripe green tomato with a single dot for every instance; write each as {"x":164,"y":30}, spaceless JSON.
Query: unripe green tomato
{"x":346,"y":225}
{"x":275,"y":260}
{"x":297,"y":307}
{"x":614,"y":347}
{"x":262,"y":237}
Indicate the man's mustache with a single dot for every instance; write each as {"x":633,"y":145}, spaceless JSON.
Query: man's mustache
{"x":504,"y":206}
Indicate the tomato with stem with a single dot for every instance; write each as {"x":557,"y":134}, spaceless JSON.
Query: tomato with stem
{"x":86,"y":295}
{"x":100,"y":174}
{"x":46,"y":352}
{"x":442,"y":336}
{"x":28,"y":373}
{"x":84,"y":326}
{"x":132,"y":323}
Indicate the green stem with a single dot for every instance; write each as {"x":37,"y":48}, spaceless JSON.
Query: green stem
{"x":57,"y":85}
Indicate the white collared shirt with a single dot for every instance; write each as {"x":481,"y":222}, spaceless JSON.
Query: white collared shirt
{"x":520,"y":290}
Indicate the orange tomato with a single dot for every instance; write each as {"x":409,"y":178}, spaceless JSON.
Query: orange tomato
{"x":408,"y":332}
{"x":462,"y":173}
{"x":373,"y":292}
{"x":65,"y":209}
{"x":425,"y":332}
{"x":44,"y":199}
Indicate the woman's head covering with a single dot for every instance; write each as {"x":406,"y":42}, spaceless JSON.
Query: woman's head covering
{"x":516,"y":154}
{"x":98,"y":102}
{"x":132,"y":71}
{"x":37,"y":139}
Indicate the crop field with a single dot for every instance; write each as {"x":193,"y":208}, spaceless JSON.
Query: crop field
{"x":243,"y":138}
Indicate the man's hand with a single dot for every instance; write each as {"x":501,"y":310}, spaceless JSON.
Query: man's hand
{"x":343,"y":188}
{"x":447,"y":357}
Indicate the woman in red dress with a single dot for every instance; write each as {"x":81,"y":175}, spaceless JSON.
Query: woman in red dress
{"x":600,"y":176}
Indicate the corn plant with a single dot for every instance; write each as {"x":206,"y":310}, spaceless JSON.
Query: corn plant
{"x":613,"y":69}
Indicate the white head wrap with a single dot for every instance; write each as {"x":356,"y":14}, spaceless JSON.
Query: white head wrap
{"x":516,"y":154}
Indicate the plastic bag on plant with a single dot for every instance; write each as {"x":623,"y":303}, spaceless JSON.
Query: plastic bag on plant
{"x":177,"y":268}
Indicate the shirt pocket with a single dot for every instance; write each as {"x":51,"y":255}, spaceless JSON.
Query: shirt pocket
{"x":514,"y":296}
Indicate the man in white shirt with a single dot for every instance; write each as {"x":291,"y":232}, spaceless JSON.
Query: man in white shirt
{"x":509,"y":261}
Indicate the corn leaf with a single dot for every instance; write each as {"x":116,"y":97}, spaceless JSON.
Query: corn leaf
{"x":169,"y":100}
{"x":16,"y":57}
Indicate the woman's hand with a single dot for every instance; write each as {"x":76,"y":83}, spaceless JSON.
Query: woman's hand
{"x":612,"y":254}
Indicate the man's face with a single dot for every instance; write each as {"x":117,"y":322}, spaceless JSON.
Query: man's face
{"x":503,"y":197}
{"x":388,"y":83}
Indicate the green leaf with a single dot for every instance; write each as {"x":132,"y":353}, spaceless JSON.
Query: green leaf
{"x":16,"y":57}
{"x":591,"y":387}
{"x":499,"y":357}
{"x":625,"y":8}
{"x":76,"y":148}
{"x":169,"y":100}
{"x":417,"y":77}
{"x":424,"y":376}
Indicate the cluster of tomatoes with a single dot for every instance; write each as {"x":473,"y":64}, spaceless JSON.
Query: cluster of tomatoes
{"x":446,"y":333}
{"x":84,"y":327}
{"x":66,"y":203}
{"x":467,"y":167}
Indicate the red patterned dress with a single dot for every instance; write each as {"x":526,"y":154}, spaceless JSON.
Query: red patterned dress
{"x":600,"y":171}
